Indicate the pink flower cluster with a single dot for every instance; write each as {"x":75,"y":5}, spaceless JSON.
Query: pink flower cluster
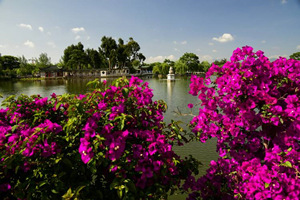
{"x":112,"y":141}
{"x":25,"y":133}
{"x":114,"y":128}
{"x":252,"y":107}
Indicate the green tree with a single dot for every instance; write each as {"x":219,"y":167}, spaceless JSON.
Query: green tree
{"x":151,"y":66}
{"x":43,"y":61}
{"x":25,"y":67}
{"x":204,"y":66}
{"x":221,"y":62}
{"x":191,"y":60}
{"x":122,"y":54}
{"x":141,"y":58}
{"x":295,"y":56}
{"x":9,"y":62}
{"x":133,"y":48}
{"x":9,"y":65}
{"x":75,"y":57}
{"x":134,"y":56}
{"x":180,"y":67}
{"x":161,"y":68}
{"x":1,"y":67}
{"x":169,"y":62}
{"x":157,"y":68}
{"x":94,"y":58}
{"x":109,"y":50}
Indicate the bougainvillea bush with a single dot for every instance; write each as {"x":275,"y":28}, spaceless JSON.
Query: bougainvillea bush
{"x":107,"y":144}
{"x":252,"y":107}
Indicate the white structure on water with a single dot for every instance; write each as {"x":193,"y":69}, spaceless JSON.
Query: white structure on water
{"x":171,"y":75}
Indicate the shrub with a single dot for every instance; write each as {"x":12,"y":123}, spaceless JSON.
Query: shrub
{"x":252,"y":107}
{"x":107,"y":144}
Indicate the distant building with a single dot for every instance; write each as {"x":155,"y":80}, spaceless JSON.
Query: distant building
{"x":51,"y":72}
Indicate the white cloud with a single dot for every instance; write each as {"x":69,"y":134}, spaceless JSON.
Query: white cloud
{"x":29,"y":44}
{"x":264,"y":41}
{"x":171,"y":57}
{"x":283,"y":1}
{"x":175,"y":49}
{"x":184,"y":42}
{"x":159,"y":58}
{"x":51,"y":44}
{"x":298,"y":47}
{"x":77,"y":37}
{"x":207,"y":58}
{"x":274,"y":57}
{"x":214,"y":50}
{"x":41,"y":29}
{"x":210,"y":44}
{"x":2,"y":46}
{"x":88,"y":38}
{"x":226,"y":37}
{"x":77,"y":30}
{"x":27,"y":26}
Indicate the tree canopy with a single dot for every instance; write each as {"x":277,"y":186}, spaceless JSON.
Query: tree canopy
{"x":26,"y":68}
{"x":204,"y":66}
{"x":9,"y":62}
{"x":43,"y":61}
{"x":9,"y":65}
{"x":180,"y":67}
{"x":295,"y":56}
{"x":191,"y":60}
{"x":110,"y":55}
{"x":75,"y":57}
{"x":161,"y":68}
{"x":220,"y":62}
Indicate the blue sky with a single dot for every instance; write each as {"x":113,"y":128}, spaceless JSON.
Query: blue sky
{"x":212,"y":29}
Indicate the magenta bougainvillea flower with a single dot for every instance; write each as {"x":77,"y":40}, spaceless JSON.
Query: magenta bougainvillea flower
{"x":251,"y":106}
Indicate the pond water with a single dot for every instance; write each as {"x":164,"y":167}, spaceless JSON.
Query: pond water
{"x":174,"y":93}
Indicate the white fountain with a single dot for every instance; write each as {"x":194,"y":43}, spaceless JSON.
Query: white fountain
{"x":171,"y":75}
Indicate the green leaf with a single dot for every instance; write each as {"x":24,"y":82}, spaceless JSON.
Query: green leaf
{"x":57,"y":160}
{"x":125,"y":92}
{"x":281,"y":120}
{"x":114,"y":184}
{"x":54,"y":191}
{"x":78,"y":189}
{"x":267,"y":185}
{"x":68,"y":195}
{"x":94,"y":83}
{"x":13,"y":128}
{"x":122,"y":123}
{"x":287,"y":164}
{"x":131,"y":186}
{"x":57,"y":106}
{"x":17,"y":168}
{"x":179,"y":137}
{"x":120,"y":193}
{"x":42,"y":183}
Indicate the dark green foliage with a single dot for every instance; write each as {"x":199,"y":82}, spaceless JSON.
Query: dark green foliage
{"x":295,"y":56}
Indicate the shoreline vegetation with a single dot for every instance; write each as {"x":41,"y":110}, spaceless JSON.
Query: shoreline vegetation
{"x":111,"y":57}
